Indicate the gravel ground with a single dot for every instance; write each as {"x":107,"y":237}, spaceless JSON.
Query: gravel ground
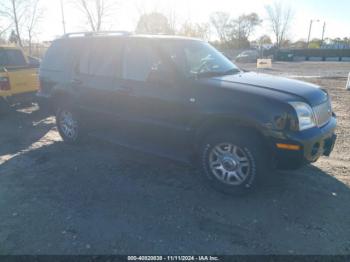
{"x":103,"y":199}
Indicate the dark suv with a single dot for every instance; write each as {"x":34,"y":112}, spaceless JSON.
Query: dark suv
{"x":181,"y":98}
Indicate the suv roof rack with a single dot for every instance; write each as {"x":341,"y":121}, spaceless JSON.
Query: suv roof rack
{"x":100,"y":33}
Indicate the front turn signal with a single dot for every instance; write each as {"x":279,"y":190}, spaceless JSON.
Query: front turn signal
{"x":289,"y":147}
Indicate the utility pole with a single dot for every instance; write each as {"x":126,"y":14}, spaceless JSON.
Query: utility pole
{"x":63,"y":18}
{"x":310,"y":28}
{"x":323,"y":32}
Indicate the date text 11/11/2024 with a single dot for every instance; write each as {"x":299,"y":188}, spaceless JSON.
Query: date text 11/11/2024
{"x":173,"y":258}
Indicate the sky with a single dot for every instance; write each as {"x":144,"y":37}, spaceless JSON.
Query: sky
{"x":336,"y":15}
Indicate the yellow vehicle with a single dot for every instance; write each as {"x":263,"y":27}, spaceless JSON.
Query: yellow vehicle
{"x":18,"y":75}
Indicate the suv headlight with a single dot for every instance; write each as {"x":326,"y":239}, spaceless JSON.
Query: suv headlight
{"x":305,"y":113}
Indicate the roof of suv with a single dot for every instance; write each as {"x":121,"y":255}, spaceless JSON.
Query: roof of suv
{"x":110,"y":34}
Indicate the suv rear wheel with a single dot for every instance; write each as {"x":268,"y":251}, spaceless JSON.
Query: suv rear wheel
{"x":232,"y":163}
{"x":68,"y":124}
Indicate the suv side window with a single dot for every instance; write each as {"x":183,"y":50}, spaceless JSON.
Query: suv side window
{"x":62,"y":55}
{"x":103,"y":58}
{"x":53,"y":56}
{"x":140,"y":59}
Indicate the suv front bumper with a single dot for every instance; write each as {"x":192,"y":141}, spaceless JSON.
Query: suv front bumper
{"x":313,"y":143}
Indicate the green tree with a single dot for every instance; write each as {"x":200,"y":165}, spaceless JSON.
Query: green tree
{"x":244,"y":26}
{"x":153,"y":23}
{"x":235,"y":32}
{"x":300,"y":44}
{"x":315,"y":43}
{"x":13,"y":37}
{"x":221,"y":21}
{"x":197,"y":30}
{"x":264,"y":40}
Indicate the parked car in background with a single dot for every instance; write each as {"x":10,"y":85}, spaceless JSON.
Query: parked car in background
{"x":181,"y":98}
{"x":250,"y":56}
{"x":34,"y":61}
{"x":18,"y":76}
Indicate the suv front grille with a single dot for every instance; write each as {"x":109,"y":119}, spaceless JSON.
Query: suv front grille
{"x":323,"y":113}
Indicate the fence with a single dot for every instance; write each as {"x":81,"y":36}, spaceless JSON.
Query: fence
{"x":313,"y":54}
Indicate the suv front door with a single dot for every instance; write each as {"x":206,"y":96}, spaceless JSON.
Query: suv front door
{"x":158,"y":104}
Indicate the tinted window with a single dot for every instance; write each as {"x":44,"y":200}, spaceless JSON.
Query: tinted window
{"x":12,"y":58}
{"x":63,"y":54}
{"x":3,"y":58}
{"x":140,"y":58}
{"x":52,"y":59}
{"x":196,"y":57}
{"x":103,"y":58}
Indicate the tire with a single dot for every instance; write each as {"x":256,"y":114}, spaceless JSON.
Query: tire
{"x":68,"y":124}
{"x":232,"y":163}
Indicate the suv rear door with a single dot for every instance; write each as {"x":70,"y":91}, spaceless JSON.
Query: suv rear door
{"x":97,"y":79}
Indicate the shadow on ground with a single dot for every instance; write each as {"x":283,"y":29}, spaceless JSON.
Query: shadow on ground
{"x":16,"y":128}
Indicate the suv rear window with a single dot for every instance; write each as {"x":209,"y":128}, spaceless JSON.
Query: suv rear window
{"x":12,"y":58}
{"x":103,"y":58}
{"x":139,"y":60}
{"x":62,"y":55}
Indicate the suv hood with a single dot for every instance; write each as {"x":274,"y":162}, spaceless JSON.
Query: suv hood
{"x":313,"y":94}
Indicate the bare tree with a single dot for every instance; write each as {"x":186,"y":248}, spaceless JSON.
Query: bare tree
{"x":5,"y":25}
{"x":221,"y":23}
{"x":172,"y":19}
{"x":4,"y":28}
{"x":280,"y":18}
{"x":246,"y":25}
{"x":235,"y":31}
{"x":14,"y":11}
{"x":33,"y":16}
{"x":97,"y":12}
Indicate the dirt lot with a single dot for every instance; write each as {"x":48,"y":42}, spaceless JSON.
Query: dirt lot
{"x":102,"y":199}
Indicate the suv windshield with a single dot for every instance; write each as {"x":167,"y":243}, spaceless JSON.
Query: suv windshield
{"x":197,"y":58}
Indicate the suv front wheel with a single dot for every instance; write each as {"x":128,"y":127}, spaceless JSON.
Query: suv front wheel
{"x":68,"y":125}
{"x":232,"y":163}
